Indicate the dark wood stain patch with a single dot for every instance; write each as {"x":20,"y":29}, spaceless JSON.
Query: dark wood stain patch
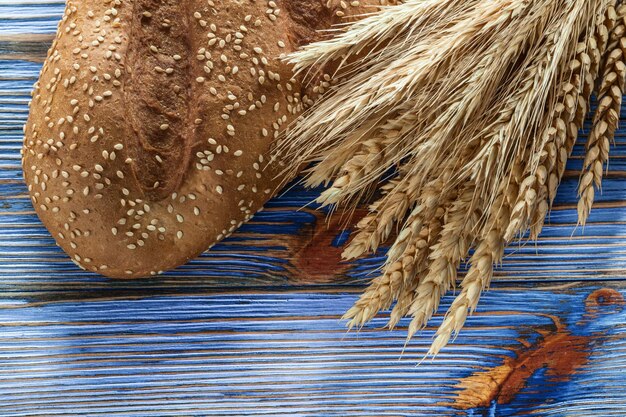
{"x":559,"y":351}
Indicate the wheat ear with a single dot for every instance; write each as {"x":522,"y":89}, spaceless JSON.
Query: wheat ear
{"x":563,"y":132}
{"x":376,"y":227}
{"x":576,"y":98}
{"x":447,"y":254}
{"x":489,"y":251}
{"x":371,"y":157}
{"x":387,"y":287}
{"x":406,"y":295}
{"x":606,"y":118}
{"x":532,"y":203}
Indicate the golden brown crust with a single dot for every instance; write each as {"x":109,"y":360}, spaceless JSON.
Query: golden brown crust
{"x":152,"y":119}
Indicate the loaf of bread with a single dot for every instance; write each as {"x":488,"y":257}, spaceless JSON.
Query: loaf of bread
{"x":152,"y":120}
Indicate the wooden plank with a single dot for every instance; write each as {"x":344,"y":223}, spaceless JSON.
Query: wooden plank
{"x":551,"y":352}
{"x":29,"y":17}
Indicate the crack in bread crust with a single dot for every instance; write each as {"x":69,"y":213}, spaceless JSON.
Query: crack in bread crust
{"x":159,"y":95}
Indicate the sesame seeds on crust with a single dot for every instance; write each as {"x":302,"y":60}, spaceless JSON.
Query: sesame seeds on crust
{"x":141,"y":151}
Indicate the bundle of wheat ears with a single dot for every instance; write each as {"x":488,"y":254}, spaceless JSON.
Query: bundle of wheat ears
{"x":463,"y":113}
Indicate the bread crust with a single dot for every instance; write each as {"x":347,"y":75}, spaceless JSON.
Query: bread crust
{"x":152,"y":119}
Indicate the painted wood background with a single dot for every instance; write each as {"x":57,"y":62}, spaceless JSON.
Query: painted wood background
{"x":253,"y":328}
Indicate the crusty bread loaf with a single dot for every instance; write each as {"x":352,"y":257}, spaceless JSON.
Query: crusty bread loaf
{"x":152,"y":120}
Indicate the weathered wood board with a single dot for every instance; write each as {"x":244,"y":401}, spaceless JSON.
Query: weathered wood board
{"x":252,"y":328}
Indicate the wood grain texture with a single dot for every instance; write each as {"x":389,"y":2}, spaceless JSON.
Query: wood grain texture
{"x":252,"y":328}
{"x":284,"y":353}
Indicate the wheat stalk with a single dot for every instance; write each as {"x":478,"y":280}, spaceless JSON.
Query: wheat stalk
{"x":464,"y":114}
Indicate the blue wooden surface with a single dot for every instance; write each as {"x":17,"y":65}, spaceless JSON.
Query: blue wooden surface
{"x":252,"y":328}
